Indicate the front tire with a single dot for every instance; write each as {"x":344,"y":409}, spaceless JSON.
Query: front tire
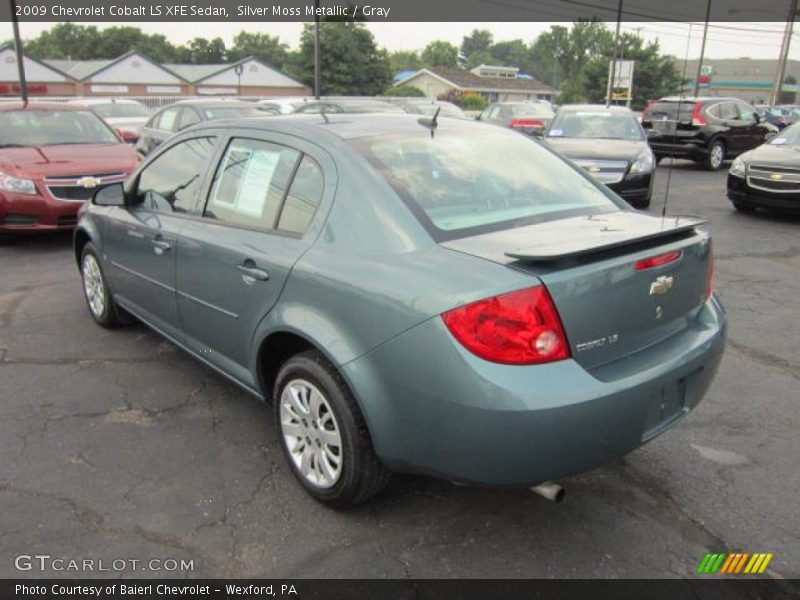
{"x":98,"y":297}
{"x":323,"y":435}
{"x":716,"y":156}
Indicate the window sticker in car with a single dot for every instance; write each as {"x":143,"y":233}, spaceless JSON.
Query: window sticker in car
{"x":259,"y":170}
{"x":779,"y":141}
{"x":556,"y":132}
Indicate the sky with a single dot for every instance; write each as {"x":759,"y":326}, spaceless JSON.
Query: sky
{"x":725,"y":40}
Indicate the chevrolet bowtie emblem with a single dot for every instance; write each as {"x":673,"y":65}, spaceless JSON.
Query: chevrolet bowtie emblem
{"x":594,"y":169}
{"x":661,"y":286}
{"x":776,"y":176}
{"x":88,"y":182}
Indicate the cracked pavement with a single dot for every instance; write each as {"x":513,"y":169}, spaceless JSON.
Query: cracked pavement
{"x":116,"y":444}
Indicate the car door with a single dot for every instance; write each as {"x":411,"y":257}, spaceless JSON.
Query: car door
{"x":141,"y":239}
{"x":752,"y":132}
{"x":233,"y":263}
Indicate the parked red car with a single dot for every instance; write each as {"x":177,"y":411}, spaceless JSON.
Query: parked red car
{"x":52,"y":157}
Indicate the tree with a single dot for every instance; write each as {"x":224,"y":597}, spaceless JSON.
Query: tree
{"x":116,"y":41}
{"x":480,"y":40}
{"x":351,"y":61}
{"x":201,"y":51}
{"x":440,"y":54}
{"x":66,"y":40}
{"x":788,"y":97}
{"x":404,"y":60}
{"x":266,"y":48}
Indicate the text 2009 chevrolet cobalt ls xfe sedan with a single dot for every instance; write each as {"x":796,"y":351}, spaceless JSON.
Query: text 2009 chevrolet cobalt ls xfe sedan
{"x":458,"y":301}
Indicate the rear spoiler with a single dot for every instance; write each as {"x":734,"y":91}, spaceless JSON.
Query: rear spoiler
{"x":569,"y":238}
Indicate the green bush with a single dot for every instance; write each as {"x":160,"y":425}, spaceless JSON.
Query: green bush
{"x":471,"y":102}
{"x":404,"y":91}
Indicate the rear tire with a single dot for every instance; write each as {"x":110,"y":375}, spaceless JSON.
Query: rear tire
{"x":98,"y":297}
{"x":323,"y":434}
{"x":716,"y":156}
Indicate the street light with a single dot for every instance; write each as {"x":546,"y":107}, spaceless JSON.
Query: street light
{"x":239,"y":69}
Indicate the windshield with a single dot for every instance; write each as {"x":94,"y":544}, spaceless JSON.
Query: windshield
{"x":595,"y":125}
{"x":114,"y":110}
{"x":460,"y":184}
{"x":788,"y":137}
{"x":372,"y":107}
{"x":53,"y":127}
{"x":232,"y":112}
{"x":447,"y":110}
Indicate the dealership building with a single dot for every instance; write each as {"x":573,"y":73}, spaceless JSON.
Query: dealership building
{"x":134,"y":74}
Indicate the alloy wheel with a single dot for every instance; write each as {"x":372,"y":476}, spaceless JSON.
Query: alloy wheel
{"x":93,"y":285}
{"x":311,"y":433}
{"x":717,"y":156}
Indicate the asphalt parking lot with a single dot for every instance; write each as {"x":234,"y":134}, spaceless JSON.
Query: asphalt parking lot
{"x":115,"y":444}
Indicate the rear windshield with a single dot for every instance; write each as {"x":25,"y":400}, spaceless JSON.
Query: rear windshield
{"x":671,"y":110}
{"x":466,"y":183}
{"x":53,"y":127}
{"x":595,"y":125}
{"x":528,"y":110}
{"x":232,"y":112}
{"x":445,"y":110}
{"x":369,"y":107}
{"x":116,"y":109}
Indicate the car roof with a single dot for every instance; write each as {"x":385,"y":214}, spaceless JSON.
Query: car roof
{"x":41,"y":106}
{"x":91,"y":101}
{"x":594,"y":108}
{"x":344,"y":126}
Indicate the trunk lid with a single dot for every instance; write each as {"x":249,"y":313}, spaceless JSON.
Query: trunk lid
{"x":672,"y":120}
{"x":609,"y":308}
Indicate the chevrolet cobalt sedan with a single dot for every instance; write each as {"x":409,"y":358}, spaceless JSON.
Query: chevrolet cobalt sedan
{"x":413,"y":294}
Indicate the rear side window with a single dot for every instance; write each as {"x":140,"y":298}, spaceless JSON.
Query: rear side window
{"x":189,"y":117}
{"x":303,"y":198}
{"x":462,"y":183}
{"x":250,"y":183}
{"x":727,"y":110}
{"x":168,"y":121}
{"x":171,"y":183}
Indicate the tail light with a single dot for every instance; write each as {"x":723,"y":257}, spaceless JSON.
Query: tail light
{"x":657,"y":261}
{"x":697,"y":118}
{"x":710,"y":271}
{"x":517,"y":123}
{"x":517,"y":328}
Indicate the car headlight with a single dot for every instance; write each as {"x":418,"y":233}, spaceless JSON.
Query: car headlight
{"x":738,"y":167}
{"x":16,"y":185}
{"x":643,"y":164}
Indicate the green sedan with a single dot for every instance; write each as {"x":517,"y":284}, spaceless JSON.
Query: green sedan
{"x":413,"y":295}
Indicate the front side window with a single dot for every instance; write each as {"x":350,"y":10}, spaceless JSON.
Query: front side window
{"x":189,"y":117}
{"x":250,"y":183}
{"x":168,"y":121}
{"x":485,"y":179}
{"x":171,"y":183}
{"x":53,"y":128}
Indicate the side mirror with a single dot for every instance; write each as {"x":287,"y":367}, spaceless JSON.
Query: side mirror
{"x":128,"y":137}
{"x":110,"y":195}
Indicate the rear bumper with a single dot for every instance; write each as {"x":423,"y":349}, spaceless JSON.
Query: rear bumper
{"x":691,"y":150}
{"x":20,"y":213}
{"x":739,"y":191}
{"x":464,"y":419}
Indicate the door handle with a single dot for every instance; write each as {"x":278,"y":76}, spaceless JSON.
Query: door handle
{"x":160,"y":246}
{"x":251,"y":273}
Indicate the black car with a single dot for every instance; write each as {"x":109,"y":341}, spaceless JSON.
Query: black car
{"x":349,"y":105}
{"x":610,"y":144}
{"x":528,"y":117}
{"x":177,"y":117}
{"x":769,"y":176}
{"x":705,"y":130}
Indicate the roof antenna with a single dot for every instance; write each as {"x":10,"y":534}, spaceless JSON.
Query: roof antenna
{"x":431,"y":123}
{"x":324,"y":116}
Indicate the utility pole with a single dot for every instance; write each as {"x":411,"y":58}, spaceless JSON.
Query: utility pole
{"x":23,"y":84}
{"x":703,"y":51}
{"x":613,"y":73}
{"x":780,"y":72}
{"x":317,"y":74}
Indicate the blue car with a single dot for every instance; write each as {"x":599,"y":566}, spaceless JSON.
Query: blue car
{"x":412,"y":294}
